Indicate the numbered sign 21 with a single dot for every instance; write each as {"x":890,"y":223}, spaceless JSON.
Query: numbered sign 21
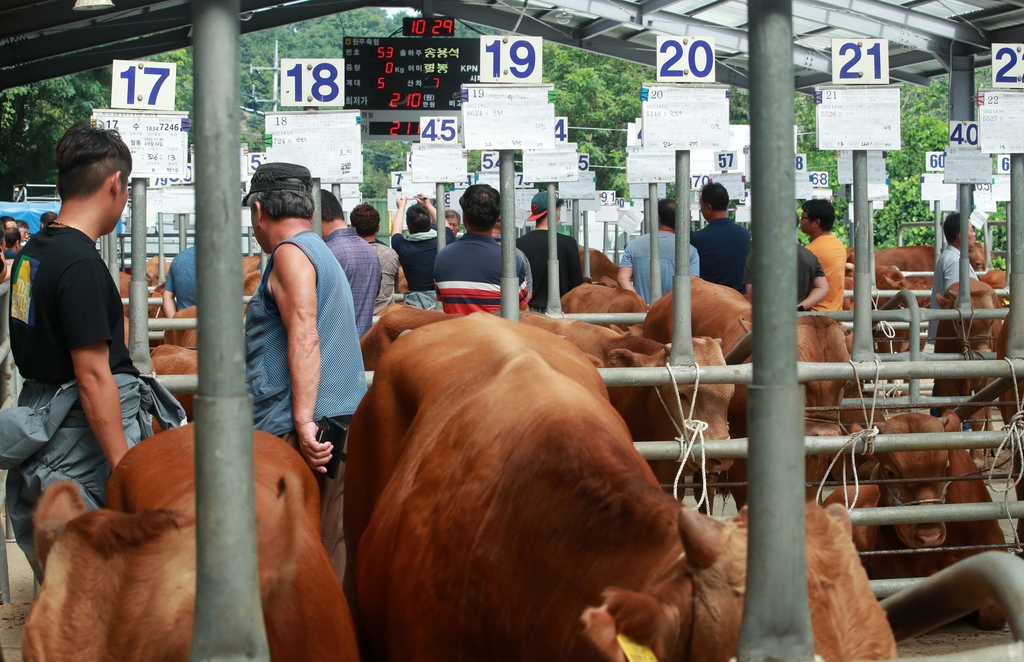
{"x":860,"y":61}
{"x":686,"y":60}
{"x":143,"y":85}
{"x":313,"y":82}
{"x":510,"y":59}
{"x":1008,"y":65}
{"x":963,"y":133}
{"x":438,"y":130}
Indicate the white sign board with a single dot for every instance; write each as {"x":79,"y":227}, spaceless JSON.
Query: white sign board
{"x":804,"y":190}
{"x":934,"y":161}
{"x":393,"y":196}
{"x":437,"y":162}
{"x":858,"y":118}
{"x":511,"y":59}
{"x":1003,"y":164}
{"x":685,"y":59}
{"x":411,"y":189}
{"x":328,"y":143}
{"x":705,"y":161}
{"x":158,"y":142}
{"x":1001,"y":115}
{"x":630,"y":219}
{"x":634,"y":134}
{"x":983,"y":199}
{"x":439,"y":130}
{"x":1001,"y":188}
{"x":876,"y":167}
{"x":645,"y":166}
{"x":1008,"y":65}
{"x":967,"y":165}
{"x":860,"y":61}
{"x":312,"y":82}
{"x":679,"y":117}
{"x":584,"y":189}
{"x":733,"y":183}
{"x":552,"y":165}
{"x":497,"y":118}
{"x":933,"y":189}
{"x":138,"y":85}
{"x":642,"y":191}
{"x":453,"y":200}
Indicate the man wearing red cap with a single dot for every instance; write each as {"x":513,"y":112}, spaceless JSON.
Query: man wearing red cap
{"x":535,"y":246}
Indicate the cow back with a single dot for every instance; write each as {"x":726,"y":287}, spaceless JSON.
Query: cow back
{"x":174,"y":360}
{"x":393,"y":321}
{"x":906,"y":258}
{"x":716,"y":312}
{"x":590,"y":298}
{"x":600,"y":265}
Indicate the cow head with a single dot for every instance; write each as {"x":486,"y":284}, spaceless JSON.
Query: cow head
{"x":976,"y":332}
{"x":976,"y":256}
{"x":821,"y":339}
{"x":693,"y":610}
{"x":924,"y":470}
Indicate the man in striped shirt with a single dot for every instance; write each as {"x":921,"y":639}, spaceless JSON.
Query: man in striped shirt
{"x":467,"y":273}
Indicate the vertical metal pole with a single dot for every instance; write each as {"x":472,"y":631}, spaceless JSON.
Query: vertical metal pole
{"x":615,"y":244}
{"x":604,"y":242}
{"x":318,"y":225}
{"x":121,"y":255}
{"x":554,"y":293}
{"x":160,"y":249}
{"x":776,"y":619}
{"x":938,"y":230}
{"x":138,"y":292}
{"x":228,"y":621}
{"x":182,"y":229}
{"x":586,"y":244}
{"x":112,"y":261}
{"x":682,"y":334}
{"x":248,"y":235}
{"x":863,"y":349}
{"x":1015,"y":256}
{"x":509,"y":279}
{"x":651,"y":209}
{"x":439,"y":205}
{"x":988,"y":247}
{"x":966,"y":207}
{"x":575,"y":230}
{"x":336,"y":190}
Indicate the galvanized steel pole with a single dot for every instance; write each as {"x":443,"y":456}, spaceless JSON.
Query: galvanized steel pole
{"x":938,"y":230}
{"x":776,"y":618}
{"x":112,"y":261}
{"x":318,"y":223}
{"x":509,"y":279}
{"x":863,"y":349}
{"x":682,"y":334}
{"x":1015,"y":256}
{"x":228,"y":621}
{"x":554,"y":296}
{"x":651,"y":214}
{"x":182,"y":229}
{"x":439,"y":206}
{"x":162,"y":273}
{"x":138,"y":292}
{"x":586,"y":245}
{"x":966,"y":207}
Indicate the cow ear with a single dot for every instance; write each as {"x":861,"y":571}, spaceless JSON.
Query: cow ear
{"x":641,"y":616}
{"x":598,"y":363}
{"x":717,"y":340}
{"x":855,"y":427}
{"x":950,"y":422}
{"x":745,"y":323}
{"x":621,"y":358}
{"x":703,"y":538}
{"x":838,"y":512}
{"x":945,"y":302}
{"x":60,"y":503}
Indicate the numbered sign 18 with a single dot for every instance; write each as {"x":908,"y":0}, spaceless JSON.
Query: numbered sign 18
{"x":964,"y":134}
{"x":860,"y":61}
{"x":143,"y":85}
{"x":510,"y":59}
{"x":801,"y":163}
{"x":489,"y":161}
{"x":1008,"y":65}
{"x":606,"y":197}
{"x":561,"y":129}
{"x":1003,"y":164}
{"x":310,"y":82}
{"x":819,"y":179}
{"x":686,"y":60}
{"x":438,"y":130}
{"x":725,"y":160}
{"x":584,"y":161}
{"x":935,"y":161}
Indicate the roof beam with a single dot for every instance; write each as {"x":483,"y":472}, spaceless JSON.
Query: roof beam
{"x":598,"y":27}
{"x":29,"y":21}
{"x":822,"y":12}
{"x":901,"y":17}
{"x":1013,"y":34}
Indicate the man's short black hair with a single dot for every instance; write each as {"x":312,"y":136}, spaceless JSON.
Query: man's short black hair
{"x":22,"y":224}
{"x":365,"y":219}
{"x":4,"y":220}
{"x":46,"y":219}
{"x":714,"y":194}
{"x":11,"y":238}
{"x":951,"y":227}
{"x":417,"y":219}
{"x":667,"y":213}
{"x":86,"y":156}
{"x":330,"y":207}
{"x":481,"y":207}
{"x":820,"y":210}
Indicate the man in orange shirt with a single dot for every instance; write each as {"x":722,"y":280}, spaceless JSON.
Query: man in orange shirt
{"x":816,"y":222}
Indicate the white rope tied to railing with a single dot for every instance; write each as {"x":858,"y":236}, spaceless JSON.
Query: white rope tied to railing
{"x":889,"y":332}
{"x":896,"y":500}
{"x":695,"y":428}
{"x":1014,"y":443}
{"x":970,"y":354}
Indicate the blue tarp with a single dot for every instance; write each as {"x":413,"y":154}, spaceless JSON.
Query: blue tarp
{"x":28,"y":211}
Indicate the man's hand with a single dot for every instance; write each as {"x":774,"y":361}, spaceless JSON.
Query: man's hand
{"x":101,"y":401}
{"x":425,"y":201}
{"x":313,"y":452}
{"x":396,"y":227}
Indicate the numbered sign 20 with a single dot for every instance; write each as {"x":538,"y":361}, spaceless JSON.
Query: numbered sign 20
{"x":686,"y":60}
{"x":964,"y":134}
{"x":439,"y":130}
{"x":561,"y":129}
{"x":489,"y":161}
{"x":935,"y":161}
{"x":313,"y":82}
{"x":143,"y":85}
{"x":860,"y":61}
{"x":510,"y":59}
{"x":1008,"y":65}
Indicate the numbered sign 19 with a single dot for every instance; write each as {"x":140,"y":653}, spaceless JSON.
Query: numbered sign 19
{"x":1003,"y":164}
{"x":489,"y":161}
{"x":860,"y":61}
{"x":964,"y":134}
{"x":686,"y":60}
{"x":510,"y":59}
{"x":725,"y":161}
{"x":143,"y":85}
{"x":800,"y":162}
{"x":935,"y":161}
{"x":819,"y":179}
{"x":313,"y":82}
{"x":1008,"y":65}
{"x":439,"y":130}
{"x":561,"y":129}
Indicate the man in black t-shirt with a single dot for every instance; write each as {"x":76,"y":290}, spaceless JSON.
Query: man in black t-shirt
{"x":535,"y":246}
{"x":417,"y":252}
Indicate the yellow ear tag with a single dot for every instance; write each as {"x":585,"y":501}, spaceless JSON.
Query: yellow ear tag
{"x":634,"y":651}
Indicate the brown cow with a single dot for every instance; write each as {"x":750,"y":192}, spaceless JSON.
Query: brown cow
{"x":600,"y":265}
{"x":153,"y":270}
{"x":183,"y":337}
{"x":121,"y":585}
{"x":589,"y":298}
{"x":492,"y":541}
{"x":927,"y":468}
{"x":174,"y":360}
{"x":394,"y":321}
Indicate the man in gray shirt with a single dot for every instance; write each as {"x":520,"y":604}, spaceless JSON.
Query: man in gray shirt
{"x":947,"y":269}
{"x":635,"y":264}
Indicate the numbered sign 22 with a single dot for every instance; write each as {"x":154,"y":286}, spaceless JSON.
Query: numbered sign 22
{"x":1008,"y":65}
{"x":510,"y":59}
{"x":819,"y":179}
{"x":561,"y":129}
{"x":963,"y":133}
{"x":935,"y":161}
{"x":313,"y":82}
{"x":143,"y":85}
{"x":1003,"y":164}
{"x":860,"y":61}
{"x":489,"y":161}
{"x":438,"y":130}
{"x":725,"y":160}
{"x":686,"y":59}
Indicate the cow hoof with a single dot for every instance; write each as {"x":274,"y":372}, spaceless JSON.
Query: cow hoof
{"x":991,"y":618}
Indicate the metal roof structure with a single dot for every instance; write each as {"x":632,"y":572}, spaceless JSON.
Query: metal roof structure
{"x":42,"y":39}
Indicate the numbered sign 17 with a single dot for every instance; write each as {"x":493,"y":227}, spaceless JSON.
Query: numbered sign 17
{"x":143,"y":85}
{"x":686,"y":60}
{"x":489,"y":161}
{"x":860,"y":61}
{"x":1003,"y":164}
{"x":963,"y":133}
{"x":561,"y":129}
{"x":438,"y":130}
{"x":1008,"y":65}
{"x":313,"y":82}
{"x":510,"y":59}
{"x":935,"y":161}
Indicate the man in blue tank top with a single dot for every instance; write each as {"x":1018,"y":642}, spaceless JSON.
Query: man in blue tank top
{"x":303,"y":362}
